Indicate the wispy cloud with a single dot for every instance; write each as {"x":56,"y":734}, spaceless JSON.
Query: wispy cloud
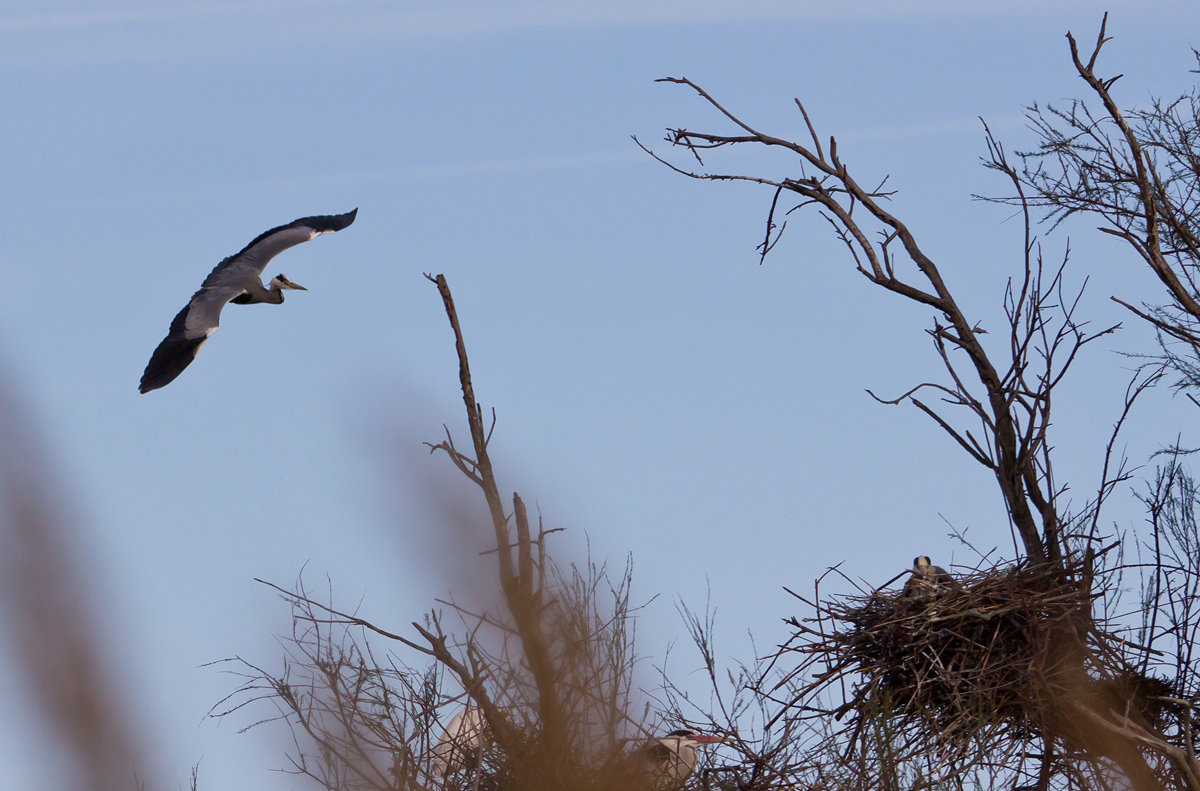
{"x":474,"y":15}
{"x":186,"y":28}
{"x":166,"y":12}
{"x":940,"y":127}
{"x":384,"y":175}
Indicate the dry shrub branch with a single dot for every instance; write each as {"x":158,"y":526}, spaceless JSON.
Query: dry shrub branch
{"x":548,"y":666}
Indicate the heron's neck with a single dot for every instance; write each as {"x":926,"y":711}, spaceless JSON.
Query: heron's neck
{"x":273,"y":294}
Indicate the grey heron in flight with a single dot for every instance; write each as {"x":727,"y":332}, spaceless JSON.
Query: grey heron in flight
{"x":928,"y":580}
{"x":671,"y":758}
{"x":237,"y":279}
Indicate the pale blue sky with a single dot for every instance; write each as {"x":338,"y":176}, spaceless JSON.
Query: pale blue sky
{"x":658,"y":392}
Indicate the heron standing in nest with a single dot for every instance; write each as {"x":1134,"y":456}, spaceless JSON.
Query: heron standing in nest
{"x":928,"y":580}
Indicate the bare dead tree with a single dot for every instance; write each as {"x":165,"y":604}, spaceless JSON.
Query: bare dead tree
{"x":1137,"y":172}
{"x":1008,"y":401}
{"x":995,"y":402}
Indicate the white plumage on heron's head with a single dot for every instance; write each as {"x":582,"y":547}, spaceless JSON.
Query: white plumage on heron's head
{"x":463,"y":742}
{"x":283,"y":281}
{"x":671,"y":758}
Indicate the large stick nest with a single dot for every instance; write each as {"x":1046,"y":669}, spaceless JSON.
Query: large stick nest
{"x":998,"y":651}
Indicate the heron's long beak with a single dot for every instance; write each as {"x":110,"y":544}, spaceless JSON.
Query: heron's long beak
{"x":291,"y":284}
{"x":702,"y":738}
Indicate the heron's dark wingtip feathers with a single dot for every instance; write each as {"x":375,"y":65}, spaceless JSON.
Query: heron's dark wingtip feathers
{"x":170,"y":357}
{"x":332,"y":222}
{"x":319,"y":224}
{"x":340,"y":221}
{"x":168,"y":362}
